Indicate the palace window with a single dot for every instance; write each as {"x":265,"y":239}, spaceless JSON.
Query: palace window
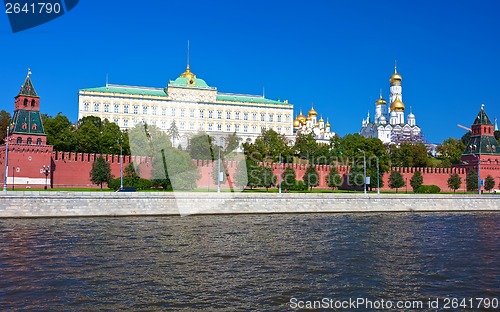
{"x":164,"y":111}
{"x":228,"y":128}
{"x":172,"y":112}
{"x":210,"y":126}
{"x":163,"y":124}
{"x":262,"y":129}
{"x":181,"y":126}
{"x":245,"y":128}
{"x":106,"y":107}
{"x":210,"y":114}
{"x":86,"y":106}
{"x":279,"y":130}
{"x":245,"y":116}
{"x":154,"y":110}
{"x":154,"y":122}
{"x":136,"y":109}
{"x":125,"y":122}
{"x":219,"y":127}
{"x":115,"y":108}
{"x":237,"y":116}
{"x":115,"y":121}
{"x":191,"y":113}
{"x":271,"y":117}
{"x":279,"y":117}
{"x":228,"y":115}
{"x":182,"y":112}
{"x":287,"y":117}
{"x":144,"y":110}
{"x":202,"y":113}
{"x":191,"y":126}
{"x":219,"y":114}
{"x":96,"y":107}
{"x":202,"y":126}
{"x":237,"y":128}
{"x":254,"y":116}
{"x":125,"y":108}
{"x":254,"y":128}
{"x":262,"y":117}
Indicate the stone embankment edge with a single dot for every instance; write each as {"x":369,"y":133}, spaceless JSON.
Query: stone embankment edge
{"x":35,"y":204}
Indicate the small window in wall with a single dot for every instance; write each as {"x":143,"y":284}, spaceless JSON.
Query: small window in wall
{"x":25,"y":102}
{"x":32,"y":103}
{"x":19,"y":140}
{"x":38,"y":141}
{"x":29,"y":141}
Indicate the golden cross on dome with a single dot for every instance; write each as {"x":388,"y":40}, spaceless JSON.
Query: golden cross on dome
{"x":29,"y":72}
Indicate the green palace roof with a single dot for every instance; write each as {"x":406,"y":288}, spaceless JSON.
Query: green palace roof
{"x":128,"y":90}
{"x":228,"y":97}
{"x":184,"y":82}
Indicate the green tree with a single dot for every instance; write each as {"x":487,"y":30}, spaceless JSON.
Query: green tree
{"x":355,"y":176}
{"x":451,"y":151}
{"x":200,"y":147}
{"x":247,"y":174}
{"x":60,"y":133}
{"x":311,"y":177}
{"x":288,"y":178}
{"x":333,"y":179}
{"x":408,"y":155}
{"x":416,"y":181}
{"x":268,"y":147}
{"x":306,"y":147}
{"x":101,"y":171}
{"x":396,"y":180}
{"x":88,"y":135}
{"x":174,"y":169}
{"x":231,"y":143}
{"x":214,"y":173}
{"x":266,"y":177}
{"x":5,"y":121}
{"x":489,"y":183}
{"x":110,"y":138}
{"x":471,"y":180}
{"x":147,"y":140}
{"x":173,"y":133}
{"x":454,"y":182}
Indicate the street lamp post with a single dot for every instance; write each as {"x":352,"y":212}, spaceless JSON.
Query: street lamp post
{"x":364,"y":169}
{"x":218,"y":173}
{"x":406,"y":184}
{"x":46,"y":171}
{"x":13,"y":177}
{"x":121,"y":163}
{"x":378,"y":177}
{"x":6,"y":160}
{"x":279,"y":175}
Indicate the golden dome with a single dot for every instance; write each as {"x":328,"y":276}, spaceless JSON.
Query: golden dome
{"x":301,"y":118}
{"x":312,"y":112}
{"x":309,"y":119}
{"x":296,"y":123}
{"x":396,"y":77}
{"x":397,"y":105}
{"x":321,"y":120}
{"x":381,"y":100}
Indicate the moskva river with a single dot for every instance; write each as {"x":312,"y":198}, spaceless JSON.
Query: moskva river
{"x":411,"y":262}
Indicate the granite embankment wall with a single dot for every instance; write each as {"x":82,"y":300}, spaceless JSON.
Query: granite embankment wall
{"x":79,"y":204}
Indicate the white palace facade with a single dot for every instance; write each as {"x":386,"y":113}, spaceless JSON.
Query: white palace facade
{"x":192,"y":104}
{"x":390,"y":125}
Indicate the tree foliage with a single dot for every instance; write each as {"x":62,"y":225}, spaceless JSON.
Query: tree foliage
{"x":489,"y":183}
{"x":471,"y":180}
{"x":288,"y":178}
{"x":311,"y":177}
{"x":268,"y":147}
{"x":5,"y":121}
{"x":200,"y":147}
{"x":396,"y":180}
{"x":333,"y":179}
{"x":416,"y":181}
{"x":454,"y":182}
{"x":451,"y":151}
{"x":408,"y":155}
{"x":100,"y":172}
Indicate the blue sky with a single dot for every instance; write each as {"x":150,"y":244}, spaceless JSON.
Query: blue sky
{"x":335,"y":54}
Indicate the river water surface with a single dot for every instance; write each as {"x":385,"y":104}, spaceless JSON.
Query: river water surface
{"x":246,"y":262}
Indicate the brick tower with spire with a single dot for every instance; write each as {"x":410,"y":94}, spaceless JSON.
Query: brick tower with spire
{"x":29,"y":156}
{"x":482,"y":148}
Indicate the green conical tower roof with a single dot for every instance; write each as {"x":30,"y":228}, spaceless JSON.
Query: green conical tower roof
{"x":27,"y":87}
{"x":482,"y":141}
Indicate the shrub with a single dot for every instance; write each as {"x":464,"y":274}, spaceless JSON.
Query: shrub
{"x":429,"y":189}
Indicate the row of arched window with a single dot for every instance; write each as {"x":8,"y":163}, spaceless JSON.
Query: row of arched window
{"x":29,"y":141}
{"x":26,"y":103}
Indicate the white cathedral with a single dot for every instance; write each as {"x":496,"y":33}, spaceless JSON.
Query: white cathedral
{"x":391,"y":127}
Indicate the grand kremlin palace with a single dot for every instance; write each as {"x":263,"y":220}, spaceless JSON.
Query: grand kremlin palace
{"x":192,"y":104}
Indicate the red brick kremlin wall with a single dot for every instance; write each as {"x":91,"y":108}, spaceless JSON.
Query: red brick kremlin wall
{"x":72,"y":170}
